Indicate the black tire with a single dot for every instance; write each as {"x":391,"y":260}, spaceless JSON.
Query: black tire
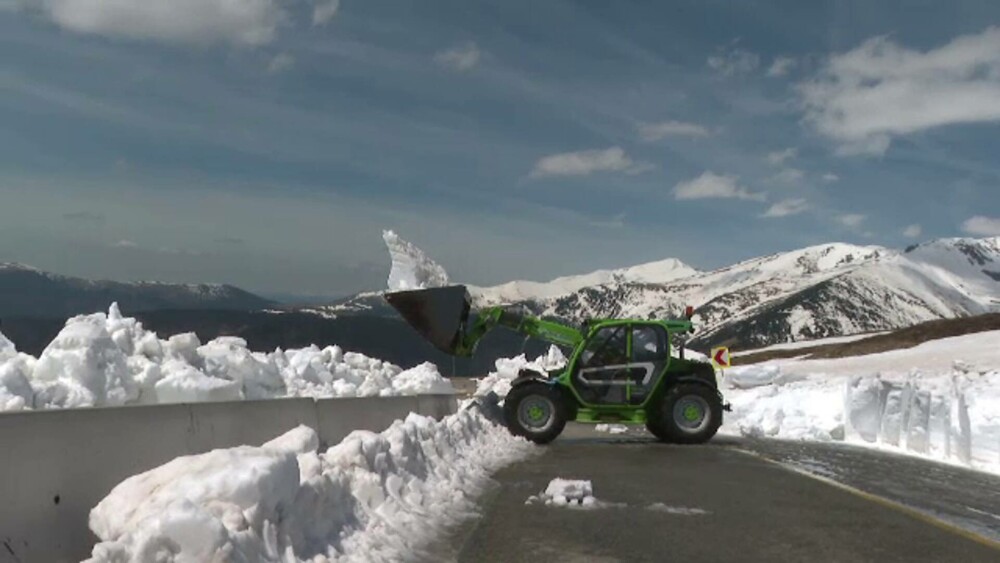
{"x":656,"y":429}
{"x":519,"y":406}
{"x":690,"y":413}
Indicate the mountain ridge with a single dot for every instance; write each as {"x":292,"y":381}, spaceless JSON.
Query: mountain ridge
{"x":831,"y":289}
{"x":26,"y":291}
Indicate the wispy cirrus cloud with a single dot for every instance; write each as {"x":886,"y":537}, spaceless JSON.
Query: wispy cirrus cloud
{"x":788,"y":176}
{"x":663,"y":129}
{"x":781,"y":66}
{"x":913,"y":231}
{"x":733,"y":61}
{"x":461,"y":58}
{"x":714,"y":186}
{"x":324,"y":11}
{"x":248,"y":23}
{"x":583,"y":163}
{"x":865,"y":97}
{"x":85,"y":217}
{"x":786,"y":207}
{"x":778,"y":158}
{"x":280,"y":63}
{"x":851,"y":220}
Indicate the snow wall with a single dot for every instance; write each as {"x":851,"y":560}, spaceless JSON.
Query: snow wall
{"x":57,"y":465}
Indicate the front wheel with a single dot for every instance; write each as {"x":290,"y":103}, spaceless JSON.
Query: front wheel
{"x":535,"y":411}
{"x":690,"y":414}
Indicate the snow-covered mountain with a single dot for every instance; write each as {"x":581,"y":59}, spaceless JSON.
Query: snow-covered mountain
{"x":827,"y":290}
{"x":662,"y":271}
{"x":820,"y":291}
{"x":29,"y":292}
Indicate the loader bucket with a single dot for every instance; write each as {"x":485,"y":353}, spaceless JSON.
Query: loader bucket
{"x":439,"y":314}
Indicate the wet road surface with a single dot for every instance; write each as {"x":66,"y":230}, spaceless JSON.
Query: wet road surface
{"x":752,"y":503}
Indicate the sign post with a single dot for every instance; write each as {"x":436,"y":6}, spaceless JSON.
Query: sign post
{"x":721,"y":359}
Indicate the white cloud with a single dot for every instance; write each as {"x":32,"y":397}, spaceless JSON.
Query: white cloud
{"x":781,"y":66}
{"x":657,"y":131}
{"x":982,"y":226}
{"x":786,"y":207}
{"x":778,"y":158}
{"x":616,"y":222}
{"x":246,"y":23}
{"x":125,"y":244}
{"x":324,"y":11}
{"x":880,"y":90}
{"x":789,"y":176}
{"x":461,"y":58}
{"x":582,"y":163}
{"x":711,"y":185}
{"x":280,"y":63}
{"x":913,"y":231}
{"x":734,"y":61}
{"x":852,"y":220}
{"x":830,"y":177}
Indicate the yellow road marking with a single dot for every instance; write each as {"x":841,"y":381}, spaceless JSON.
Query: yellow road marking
{"x":909,"y":511}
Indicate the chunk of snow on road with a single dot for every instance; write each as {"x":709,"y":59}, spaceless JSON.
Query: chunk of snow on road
{"x":507,"y":370}
{"x":111,"y":360}
{"x":570,"y":493}
{"x":411,"y":268}
{"x":611,"y":428}
{"x":680,"y":510}
{"x":371,"y":498}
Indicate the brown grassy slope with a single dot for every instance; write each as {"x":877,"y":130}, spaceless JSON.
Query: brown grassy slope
{"x":903,"y":338}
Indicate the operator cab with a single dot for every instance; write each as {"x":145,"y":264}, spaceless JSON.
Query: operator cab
{"x":620,"y":363}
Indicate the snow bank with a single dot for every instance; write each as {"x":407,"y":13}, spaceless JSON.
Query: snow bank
{"x":948,"y":413}
{"x":499,"y":381}
{"x":111,"y":360}
{"x":411,"y":268}
{"x":371,"y":498}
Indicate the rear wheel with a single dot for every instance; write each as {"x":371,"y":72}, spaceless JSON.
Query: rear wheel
{"x":690,"y":413}
{"x":535,"y":411}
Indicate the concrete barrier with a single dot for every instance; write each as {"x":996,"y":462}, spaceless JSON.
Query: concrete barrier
{"x":57,"y":465}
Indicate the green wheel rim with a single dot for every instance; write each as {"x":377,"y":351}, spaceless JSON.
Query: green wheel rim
{"x":536,"y":413}
{"x":691,"y":414}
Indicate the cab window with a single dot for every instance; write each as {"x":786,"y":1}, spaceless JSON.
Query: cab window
{"x":649,"y":343}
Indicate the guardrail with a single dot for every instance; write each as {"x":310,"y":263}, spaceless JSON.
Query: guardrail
{"x":56,"y":465}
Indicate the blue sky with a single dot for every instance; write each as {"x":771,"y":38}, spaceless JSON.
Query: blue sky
{"x":267,"y":143}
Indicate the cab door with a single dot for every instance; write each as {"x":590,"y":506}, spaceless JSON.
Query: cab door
{"x":649,"y":353}
{"x":605,"y":374}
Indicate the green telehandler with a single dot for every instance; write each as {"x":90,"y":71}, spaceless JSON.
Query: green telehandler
{"x":619,"y":370}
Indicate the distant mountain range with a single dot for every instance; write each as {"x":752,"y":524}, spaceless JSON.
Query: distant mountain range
{"x":816,"y":292}
{"x":29,"y":292}
{"x":820,"y":291}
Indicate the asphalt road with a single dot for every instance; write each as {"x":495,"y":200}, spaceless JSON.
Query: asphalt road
{"x":758,"y":506}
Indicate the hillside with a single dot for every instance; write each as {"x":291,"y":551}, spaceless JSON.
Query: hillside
{"x":29,"y":292}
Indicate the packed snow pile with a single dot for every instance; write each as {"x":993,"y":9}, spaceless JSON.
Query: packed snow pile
{"x":371,"y":498}
{"x":111,"y":360}
{"x":507,"y":370}
{"x":940,"y":399}
{"x":411,"y":268}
